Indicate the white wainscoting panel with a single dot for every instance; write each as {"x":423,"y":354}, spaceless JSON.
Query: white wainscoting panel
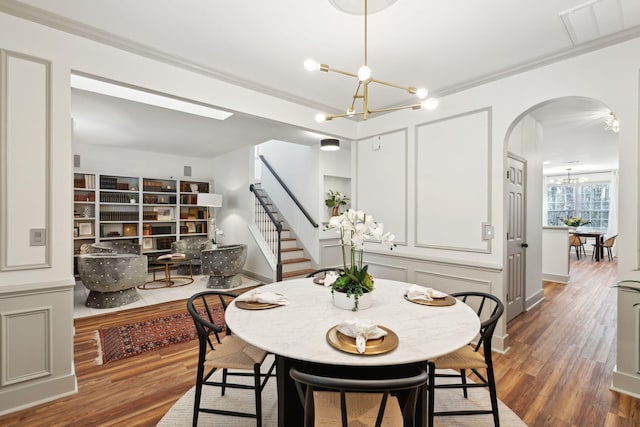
{"x":25,"y":345}
{"x":381,"y":179}
{"x":25,"y":108}
{"x":453,"y":182}
{"x":450,"y":283}
{"x":388,"y":271}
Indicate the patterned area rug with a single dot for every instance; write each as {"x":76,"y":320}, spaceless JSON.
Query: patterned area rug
{"x":131,"y":339}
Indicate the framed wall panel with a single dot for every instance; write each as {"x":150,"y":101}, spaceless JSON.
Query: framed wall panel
{"x":381,"y":181}
{"x":453,"y":182}
{"x":25,"y":345}
{"x":25,"y":111}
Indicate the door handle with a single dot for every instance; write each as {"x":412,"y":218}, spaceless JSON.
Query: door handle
{"x":524,"y":245}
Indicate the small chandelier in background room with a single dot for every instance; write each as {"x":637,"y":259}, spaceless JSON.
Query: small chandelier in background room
{"x":569,"y":180}
{"x":364,"y":78}
{"x":611,"y":123}
{"x":329,"y":144}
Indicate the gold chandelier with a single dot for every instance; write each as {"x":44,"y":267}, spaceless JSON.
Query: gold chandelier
{"x":364,"y":79}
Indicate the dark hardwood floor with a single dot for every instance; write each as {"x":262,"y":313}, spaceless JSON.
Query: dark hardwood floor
{"x":557,"y":373}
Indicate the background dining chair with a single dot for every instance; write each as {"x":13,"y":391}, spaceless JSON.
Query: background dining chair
{"x":578,"y":244}
{"x":474,"y":357}
{"x":327,"y":401}
{"x":226,"y":352}
{"x":608,"y":244}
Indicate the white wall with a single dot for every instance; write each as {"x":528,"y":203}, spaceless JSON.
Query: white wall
{"x":122,"y":161}
{"x":233,"y":173}
{"x":555,"y":254}
{"x":298,"y":167}
{"x":609,"y":75}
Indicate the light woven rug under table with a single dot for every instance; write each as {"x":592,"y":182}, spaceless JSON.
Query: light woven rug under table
{"x":182,"y":412}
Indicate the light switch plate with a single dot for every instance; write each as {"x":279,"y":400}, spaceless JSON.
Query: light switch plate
{"x":38,"y":237}
{"x":487,"y":231}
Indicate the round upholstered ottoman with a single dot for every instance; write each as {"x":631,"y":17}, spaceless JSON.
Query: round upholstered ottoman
{"x":112,"y":278}
{"x":223,"y":264}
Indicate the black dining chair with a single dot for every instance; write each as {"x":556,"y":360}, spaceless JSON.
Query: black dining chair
{"x":331,"y":401}
{"x":220,"y":349}
{"x":489,"y":308}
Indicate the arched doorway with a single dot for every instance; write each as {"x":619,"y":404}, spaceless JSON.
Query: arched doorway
{"x":548,"y":138}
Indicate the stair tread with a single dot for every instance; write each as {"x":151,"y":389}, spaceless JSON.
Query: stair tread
{"x":291,"y":249}
{"x":294,"y":260}
{"x":303,"y":272}
{"x":288,"y":239}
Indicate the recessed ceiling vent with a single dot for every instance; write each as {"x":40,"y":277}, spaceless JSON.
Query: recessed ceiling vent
{"x":599,"y":18}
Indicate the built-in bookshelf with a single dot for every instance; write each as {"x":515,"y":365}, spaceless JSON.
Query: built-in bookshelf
{"x":119,"y":208}
{"x":84,"y":209}
{"x":193,"y":218}
{"x":153,"y":212}
{"x":159,"y":207}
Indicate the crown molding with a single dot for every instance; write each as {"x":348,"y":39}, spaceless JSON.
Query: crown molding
{"x":77,"y":28}
{"x":70,"y":26}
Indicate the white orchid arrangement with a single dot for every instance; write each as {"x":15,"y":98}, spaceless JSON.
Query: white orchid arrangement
{"x":356,"y":227}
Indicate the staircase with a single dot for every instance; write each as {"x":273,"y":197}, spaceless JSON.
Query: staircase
{"x":294,"y":263}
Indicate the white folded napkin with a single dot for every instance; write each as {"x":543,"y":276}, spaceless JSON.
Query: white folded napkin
{"x":362,"y":330}
{"x":263,"y":297}
{"x":330,"y":277}
{"x":417,"y":292}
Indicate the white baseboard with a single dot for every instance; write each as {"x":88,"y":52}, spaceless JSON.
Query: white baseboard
{"x":555,"y":278}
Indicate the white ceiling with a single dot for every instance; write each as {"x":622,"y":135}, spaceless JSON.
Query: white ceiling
{"x":574,"y":136}
{"x":446,"y":46}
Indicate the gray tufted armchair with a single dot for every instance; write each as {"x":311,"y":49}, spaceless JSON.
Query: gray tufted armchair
{"x":192,"y":248}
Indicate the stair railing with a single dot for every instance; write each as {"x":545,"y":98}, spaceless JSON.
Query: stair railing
{"x":269,"y":227}
{"x":284,"y":186}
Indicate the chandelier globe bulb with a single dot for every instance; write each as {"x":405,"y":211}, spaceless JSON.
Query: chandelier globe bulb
{"x":364,"y":73}
{"x":422,"y":93}
{"x":430,"y":103}
{"x":311,"y":65}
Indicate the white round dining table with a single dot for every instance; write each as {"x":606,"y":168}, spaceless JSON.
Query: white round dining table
{"x":297,"y":333}
{"x":298,"y":330}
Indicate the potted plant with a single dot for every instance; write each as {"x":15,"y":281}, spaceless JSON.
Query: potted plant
{"x":575,"y":221}
{"x":334,"y":201}
{"x":354,"y":280}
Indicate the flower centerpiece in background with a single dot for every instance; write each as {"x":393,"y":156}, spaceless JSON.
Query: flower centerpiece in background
{"x":334,"y":201}
{"x":355,"y":227}
{"x":575,"y":221}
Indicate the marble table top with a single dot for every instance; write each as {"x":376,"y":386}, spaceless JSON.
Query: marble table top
{"x":298,"y":330}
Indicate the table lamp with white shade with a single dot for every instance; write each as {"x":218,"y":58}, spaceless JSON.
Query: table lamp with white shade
{"x":210,"y":200}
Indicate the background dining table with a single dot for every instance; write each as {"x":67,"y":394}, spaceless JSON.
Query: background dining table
{"x":297,"y":334}
{"x":597,"y":235}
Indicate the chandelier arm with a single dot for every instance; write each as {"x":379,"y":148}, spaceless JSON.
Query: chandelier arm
{"x":365,"y":32}
{"x":409,"y":89}
{"x":345,"y":73}
{"x":403,"y":107}
{"x":355,"y":96}
{"x":337,"y":116}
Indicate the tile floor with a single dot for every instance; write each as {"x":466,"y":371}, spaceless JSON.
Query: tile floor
{"x":148,"y":296}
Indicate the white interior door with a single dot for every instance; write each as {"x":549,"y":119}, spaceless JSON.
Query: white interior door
{"x":516,"y":243}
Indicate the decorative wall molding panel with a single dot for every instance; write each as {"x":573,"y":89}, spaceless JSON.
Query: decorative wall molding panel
{"x":382,"y":194}
{"x":25,"y":155}
{"x":25,"y":345}
{"x":457,"y":151}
